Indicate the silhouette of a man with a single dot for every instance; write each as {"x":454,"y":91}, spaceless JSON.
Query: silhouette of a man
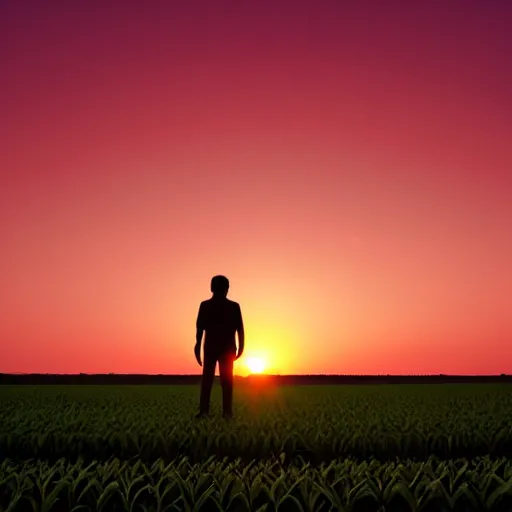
{"x":221,"y":318}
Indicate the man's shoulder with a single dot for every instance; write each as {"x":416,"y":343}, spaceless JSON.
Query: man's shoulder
{"x":230,"y":303}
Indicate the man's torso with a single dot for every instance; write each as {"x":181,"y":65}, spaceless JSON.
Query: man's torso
{"x":220,"y":318}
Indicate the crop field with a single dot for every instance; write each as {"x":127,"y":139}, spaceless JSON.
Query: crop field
{"x":357,"y":448}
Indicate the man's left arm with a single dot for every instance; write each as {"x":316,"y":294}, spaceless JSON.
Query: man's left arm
{"x":241,"y":333}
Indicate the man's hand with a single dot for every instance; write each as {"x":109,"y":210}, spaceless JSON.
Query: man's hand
{"x":239,"y":355}
{"x":197,"y":353}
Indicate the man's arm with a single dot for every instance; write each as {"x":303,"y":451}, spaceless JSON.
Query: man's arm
{"x":199,"y":334}
{"x":241,"y":334}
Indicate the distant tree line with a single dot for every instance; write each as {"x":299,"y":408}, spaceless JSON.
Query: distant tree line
{"x":280,"y":380}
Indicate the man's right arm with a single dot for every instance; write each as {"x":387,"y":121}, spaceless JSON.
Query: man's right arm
{"x":199,"y":333}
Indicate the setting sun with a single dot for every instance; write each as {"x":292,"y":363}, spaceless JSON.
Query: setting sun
{"x":255,"y":364}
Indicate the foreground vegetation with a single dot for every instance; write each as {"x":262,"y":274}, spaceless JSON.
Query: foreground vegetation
{"x":445,"y":447}
{"x":264,"y":485}
{"x":317,"y":423}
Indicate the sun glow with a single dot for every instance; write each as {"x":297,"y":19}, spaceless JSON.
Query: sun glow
{"x":255,"y":364}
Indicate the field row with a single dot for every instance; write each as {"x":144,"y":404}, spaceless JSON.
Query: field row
{"x":317,"y":424}
{"x":459,"y":485}
{"x":209,"y":439}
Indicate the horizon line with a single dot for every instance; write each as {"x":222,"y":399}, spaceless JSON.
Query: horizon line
{"x":273,"y":374}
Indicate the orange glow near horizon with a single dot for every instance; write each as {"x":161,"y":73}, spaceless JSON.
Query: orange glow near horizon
{"x":255,"y":364}
{"x":347,"y":165}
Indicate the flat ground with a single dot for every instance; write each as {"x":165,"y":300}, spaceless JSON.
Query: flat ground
{"x":403,"y":438}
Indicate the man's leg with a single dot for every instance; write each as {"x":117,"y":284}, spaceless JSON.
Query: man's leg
{"x":209,"y":364}
{"x":226,"y":381}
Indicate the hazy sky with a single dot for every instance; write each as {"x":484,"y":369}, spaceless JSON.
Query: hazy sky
{"x":347,"y":164}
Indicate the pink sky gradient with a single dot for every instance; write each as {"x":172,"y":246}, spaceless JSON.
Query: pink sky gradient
{"x":348,"y":165}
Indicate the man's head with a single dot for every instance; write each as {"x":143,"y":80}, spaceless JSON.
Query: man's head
{"x":220,"y":286}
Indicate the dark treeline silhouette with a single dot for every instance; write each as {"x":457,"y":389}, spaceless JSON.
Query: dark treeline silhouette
{"x":279,"y":380}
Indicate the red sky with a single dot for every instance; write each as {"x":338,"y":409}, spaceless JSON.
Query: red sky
{"x":348,"y":165}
